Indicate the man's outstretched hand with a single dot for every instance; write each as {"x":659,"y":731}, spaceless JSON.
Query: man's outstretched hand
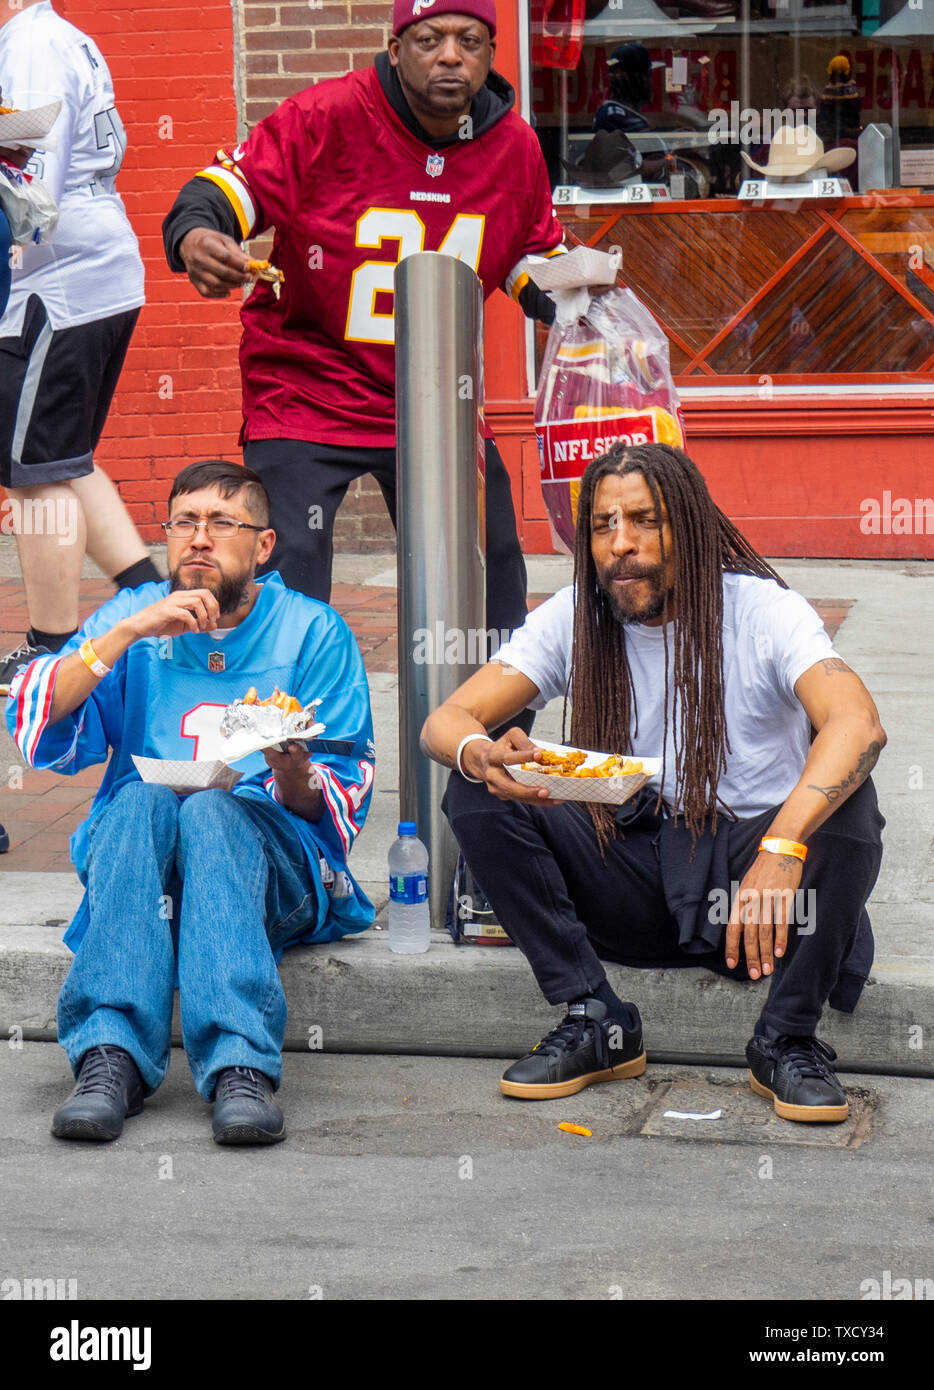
{"x":488,"y":761}
{"x":762,"y":912}
{"x":215,"y":263}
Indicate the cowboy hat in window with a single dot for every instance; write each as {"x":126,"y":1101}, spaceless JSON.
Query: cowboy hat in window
{"x":798,"y":151}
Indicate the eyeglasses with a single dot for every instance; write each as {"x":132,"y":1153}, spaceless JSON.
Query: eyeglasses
{"x":218,"y":528}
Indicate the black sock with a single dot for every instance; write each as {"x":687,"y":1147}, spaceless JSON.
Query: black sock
{"x":617,"y":1010}
{"x":54,"y":641}
{"x":143,"y":572}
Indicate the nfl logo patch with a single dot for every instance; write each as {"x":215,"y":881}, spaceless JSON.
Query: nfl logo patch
{"x":434,"y":165}
{"x":215,"y":661}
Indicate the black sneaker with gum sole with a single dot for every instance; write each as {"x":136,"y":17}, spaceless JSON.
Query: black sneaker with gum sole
{"x":587,"y":1047}
{"x":794,"y":1073}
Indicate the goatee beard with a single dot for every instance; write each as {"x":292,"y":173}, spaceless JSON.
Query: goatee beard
{"x":654,"y":606}
{"x":653,"y":609}
{"x":231,"y":591}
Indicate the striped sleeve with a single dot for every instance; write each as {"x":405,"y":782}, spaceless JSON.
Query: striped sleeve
{"x":345,"y":797}
{"x":262,"y":177}
{"x":521,"y":273}
{"x":270,"y":784}
{"x":70,"y":744}
{"x":31,"y":698}
{"x":225,"y":175}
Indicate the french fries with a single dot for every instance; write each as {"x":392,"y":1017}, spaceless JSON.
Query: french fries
{"x":287,"y":703}
{"x":570,"y":765}
{"x":263,"y":270}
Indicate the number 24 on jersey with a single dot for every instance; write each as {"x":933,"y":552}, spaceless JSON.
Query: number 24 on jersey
{"x":463,"y":240}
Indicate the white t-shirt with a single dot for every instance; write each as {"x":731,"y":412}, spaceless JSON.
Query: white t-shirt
{"x":771,"y":636}
{"x":91,"y":268}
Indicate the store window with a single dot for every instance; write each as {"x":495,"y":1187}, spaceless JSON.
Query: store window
{"x":766,"y":166}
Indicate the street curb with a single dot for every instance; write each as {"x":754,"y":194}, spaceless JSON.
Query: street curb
{"x":354,"y":993}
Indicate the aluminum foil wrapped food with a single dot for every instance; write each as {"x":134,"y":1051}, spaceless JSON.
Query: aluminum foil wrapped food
{"x":251,"y":724}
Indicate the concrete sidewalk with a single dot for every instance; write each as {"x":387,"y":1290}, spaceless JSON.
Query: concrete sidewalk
{"x":414,"y":1178}
{"x":483,"y":1001}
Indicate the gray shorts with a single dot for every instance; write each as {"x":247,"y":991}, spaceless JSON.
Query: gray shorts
{"x":56,"y":386}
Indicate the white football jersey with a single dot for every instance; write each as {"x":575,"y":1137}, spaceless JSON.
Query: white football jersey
{"x":91,"y":268}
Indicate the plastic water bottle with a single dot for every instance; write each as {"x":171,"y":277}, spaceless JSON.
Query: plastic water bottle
{"x":409,"y":922}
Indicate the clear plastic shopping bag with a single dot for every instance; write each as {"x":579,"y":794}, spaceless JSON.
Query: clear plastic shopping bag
{"x":30,"y":208}
{"x":606,"y":377}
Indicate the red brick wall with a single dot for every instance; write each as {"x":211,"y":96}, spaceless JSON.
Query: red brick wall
{"x":179,"y":397}
{"x":286,"y":47}
{"x":290,"y":45}
{"x":187,"y":80}
{"x":180,"y":95}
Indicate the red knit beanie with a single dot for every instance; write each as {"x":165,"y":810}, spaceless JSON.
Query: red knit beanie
{"x":406,"y":12}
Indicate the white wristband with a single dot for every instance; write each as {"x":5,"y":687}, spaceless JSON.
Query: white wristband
{"x":468,"y":738}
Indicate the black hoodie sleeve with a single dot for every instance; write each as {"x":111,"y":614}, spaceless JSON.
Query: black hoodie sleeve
{"x":199,"y":204}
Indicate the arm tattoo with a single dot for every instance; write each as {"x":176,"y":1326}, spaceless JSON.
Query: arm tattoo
{"x":864,"y":765}
{"x":833,"y":663}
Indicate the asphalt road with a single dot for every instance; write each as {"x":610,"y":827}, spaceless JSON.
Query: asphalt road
{"x":413,"y":1178}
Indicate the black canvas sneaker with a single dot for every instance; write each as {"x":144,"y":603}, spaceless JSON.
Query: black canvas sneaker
{"x":11,"y":663}
{"x":244,"y":1110}
{"x":794,"y":1074}
{"x":109,"y":1089}
{"x":588,"y":1046}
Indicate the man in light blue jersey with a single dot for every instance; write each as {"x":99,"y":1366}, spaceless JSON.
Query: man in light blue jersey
{"x":206,"y":890}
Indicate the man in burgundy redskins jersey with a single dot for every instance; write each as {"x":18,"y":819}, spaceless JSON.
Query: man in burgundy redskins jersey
{"x":420,"y":152}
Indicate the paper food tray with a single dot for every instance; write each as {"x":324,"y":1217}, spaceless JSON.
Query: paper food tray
{"x":30,"y":128}
{"x":187,"y":776}
{"x":242,"y":743}
{"x":611,"y":791}
{"x":577,"y":269}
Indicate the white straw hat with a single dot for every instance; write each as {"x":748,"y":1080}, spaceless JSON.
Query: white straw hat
{"x":796,"y":150}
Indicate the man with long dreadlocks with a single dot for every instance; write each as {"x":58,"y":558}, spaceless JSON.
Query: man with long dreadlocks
{"x":676,"y":639}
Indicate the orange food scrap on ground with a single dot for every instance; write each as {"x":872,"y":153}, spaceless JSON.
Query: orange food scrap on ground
{"x":576,"y":1129}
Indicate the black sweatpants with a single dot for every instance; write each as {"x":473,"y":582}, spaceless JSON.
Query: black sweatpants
{"x":565,"y":908}
{"x":300,"y":476}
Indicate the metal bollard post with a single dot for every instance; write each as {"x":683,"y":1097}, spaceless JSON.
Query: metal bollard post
{"x":440,"y":525}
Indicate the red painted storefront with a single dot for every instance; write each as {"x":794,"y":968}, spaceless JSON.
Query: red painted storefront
{"x":802,"y":475}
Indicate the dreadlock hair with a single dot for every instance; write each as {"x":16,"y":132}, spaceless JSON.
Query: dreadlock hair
{"x":704,"y":545}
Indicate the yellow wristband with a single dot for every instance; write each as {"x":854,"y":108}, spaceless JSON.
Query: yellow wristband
{"x":92,"y":661}
{"x":773,"y":845}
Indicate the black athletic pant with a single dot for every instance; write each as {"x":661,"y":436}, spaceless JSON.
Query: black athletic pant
{"x":301,"y":477}
{"x":564,"y":908}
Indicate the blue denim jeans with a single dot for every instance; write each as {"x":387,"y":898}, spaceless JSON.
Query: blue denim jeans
{"x":210,"y":886}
